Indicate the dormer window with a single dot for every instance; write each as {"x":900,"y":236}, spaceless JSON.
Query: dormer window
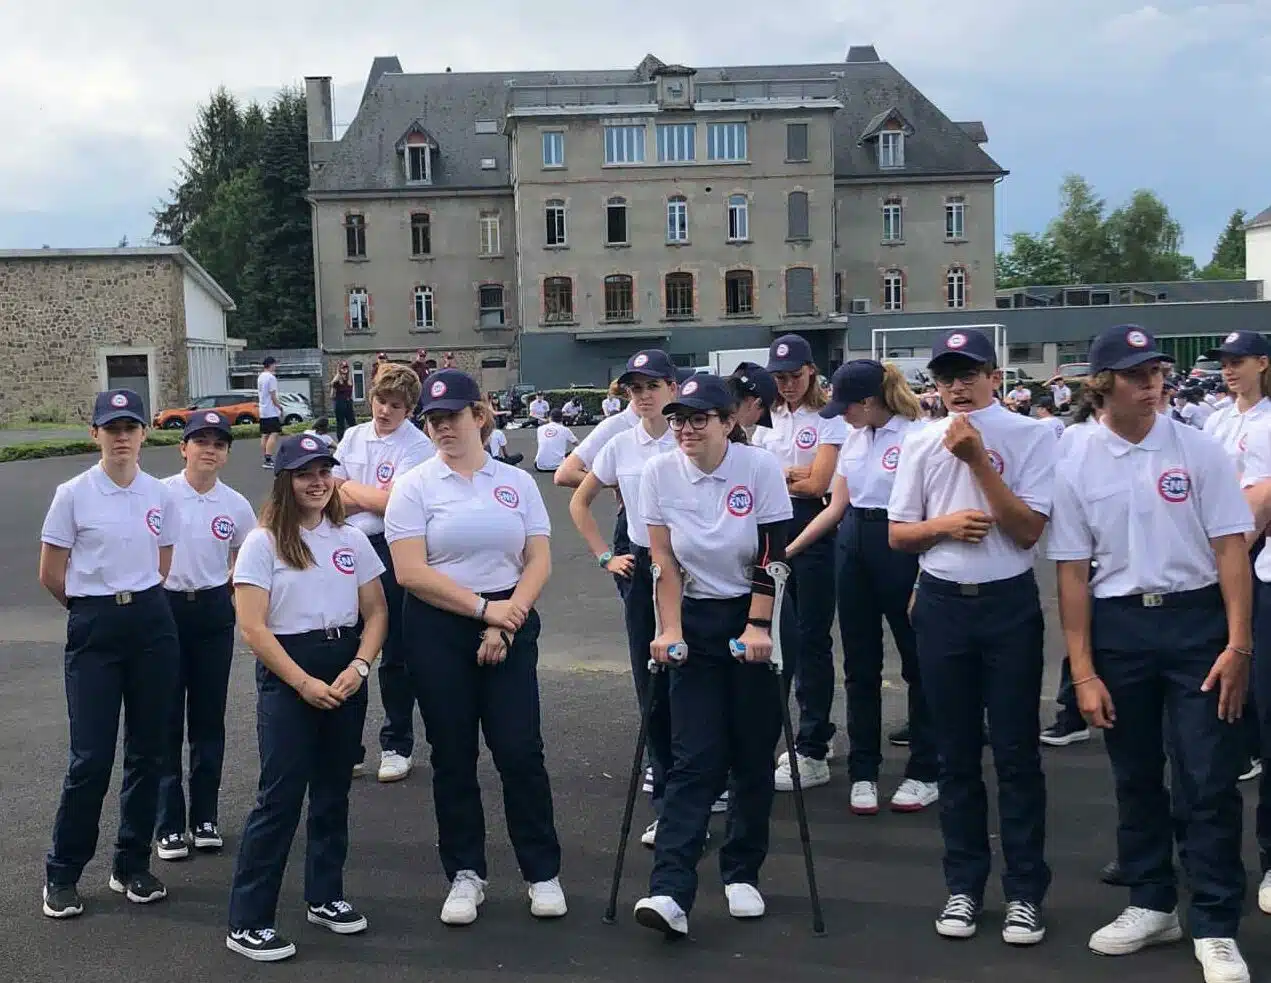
{"x":418,"y":163}
{"x":891,"y":148}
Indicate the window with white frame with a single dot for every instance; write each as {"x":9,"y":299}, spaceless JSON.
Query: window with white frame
{"x":893,"y":220}
{"x":355,"y":236}
{"x":616,"y":222}
{"x":955,"y":219}
{"x":677,"y":142}
{"x":677,"y":219}
{"x":726,"y":141}
{"x":357,"y":374}
{"x":738,"y":218}
{"x":558,"y":299}
{"x":491,"y":240}
{"x":424,"y":313}
{"x":359,"y":317}
{"x":490,"y":301}
{"x":955,"y":287}
{"x":624,"y":144}
{"x":555,"y":212}
{"x":553,"y":148}
{"x":893,"y":290}
{"x":418,"y":163}
{"x":891,"y":148}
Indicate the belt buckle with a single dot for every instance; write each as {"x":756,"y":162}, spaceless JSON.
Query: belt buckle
{"x":332,"y":633}
{"x":123,"y":597}
{"x":191,"y":595}
{"x":969,"y":590}
{"x":1153,"y":600}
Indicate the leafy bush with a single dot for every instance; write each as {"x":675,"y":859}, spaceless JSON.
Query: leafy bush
{"x":34,"y":450}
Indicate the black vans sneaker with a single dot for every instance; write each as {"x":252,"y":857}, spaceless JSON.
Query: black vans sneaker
{"x":1023,"y":924}
{"x":62,"y":901}
{"x":262,"y":945}
{"x":1064,"y":732}
{"x":207,"y":837}
{"x":140,"y":888}
{"x":957,"y":920}
{"x":172,"y":846}
{"x":339,"y":916}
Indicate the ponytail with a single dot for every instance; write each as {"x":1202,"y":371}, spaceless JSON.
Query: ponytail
{"x":897,"y":395}
{"x":738,"y":434}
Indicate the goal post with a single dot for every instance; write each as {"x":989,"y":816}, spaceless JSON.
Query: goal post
{"x":879,"y":338}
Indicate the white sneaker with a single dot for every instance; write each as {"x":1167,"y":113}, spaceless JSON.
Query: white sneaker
{"x":359,"y":769}
{"x":649,"y":837}
{"x":744,"y":900}
{"x":393,"y":766}
{"x":1253,"y":771}
{"x":1264,"y":893}
{"x":811,"y":773}
{"x":864,"y":801}
{"x":1135,"y":929}
{"x":914,"y":796}
{"x":662,"y":914}
{"x":547,"y":899}
{"x":721,"y":804}
{"x":1221,"y":961}
{"x":467,"y":892}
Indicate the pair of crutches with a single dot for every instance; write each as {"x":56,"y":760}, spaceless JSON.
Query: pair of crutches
{"x":780,"y":573}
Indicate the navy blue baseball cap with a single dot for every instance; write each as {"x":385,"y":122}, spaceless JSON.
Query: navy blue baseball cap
{"x":701,"y":394}
{"x":652,"y":363}
{"x":789,"y":353}
{"x":299,"y":449}
{"x":683,"y":375}
{"x":118,"y":404}
{"x":754,"y":380}
{"x":449,"y":390}
{"x":969,"y":343}
{"x":202,"y":420}
{"x":1123,"y":347}
{"x":1240,"y":344}
{"x":853,"y":382}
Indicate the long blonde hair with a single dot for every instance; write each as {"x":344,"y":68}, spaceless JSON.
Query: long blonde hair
{"x":897,"y":395}
{"x":281,"y":516}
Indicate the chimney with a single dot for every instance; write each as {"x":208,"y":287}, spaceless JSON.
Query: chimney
{"x":318,"y":102}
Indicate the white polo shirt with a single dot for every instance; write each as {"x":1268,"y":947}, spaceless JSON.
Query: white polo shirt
{"x":369,"y":459}
{"x":1196,"y":414}
{"x":114,"y":534}
{"x":1231,"y":428}
{"x":1061,"y":394}
{"x":869,"y":459}
{"x":611,"y":405}
{"x":321,"y":596}
{"x":621,"y":462}
{"x":540,"y":408}
{"x":210,"y":527}
{"x":714,"y":519}
{"x":1075,"y":437}
{"x":1257,"y":469}
{"x":1056,"y":424}
{"x":498,"y":442}
{"x":605,"y":431}
{"x":553,"y":445}
{"x":474,"y":531}
{"x":796,"y":437}
{"x":1021,"y":394}
{"x":931,"y":482}
{"x":267,"y":387}
{"x":1146,"y":512}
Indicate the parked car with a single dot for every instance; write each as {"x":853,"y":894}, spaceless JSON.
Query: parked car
{"x":239,"y":405}
{"x":295,"y":406}
{"x":1206,"y":368}
{"x":1072,"y":372}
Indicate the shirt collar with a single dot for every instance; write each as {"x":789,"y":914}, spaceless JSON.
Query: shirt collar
{"x":644,"y":438}
{"x":106,"y":486}
{"x":1154,"y":441}
{"x":696,"y":475}
{"x":323,"y":530}
{"x":986,"y":411}
{"x":188,"y":490}
{"x":487,"y":467}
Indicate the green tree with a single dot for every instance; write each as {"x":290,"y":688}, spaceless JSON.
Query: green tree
{"x":1031,"y":261}
{"x":1145,"y":242}
{"x":1228,"y":262}
{"x":222,"y":240}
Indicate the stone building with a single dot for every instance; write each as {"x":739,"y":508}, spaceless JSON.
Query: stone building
{"x":76,"y":321}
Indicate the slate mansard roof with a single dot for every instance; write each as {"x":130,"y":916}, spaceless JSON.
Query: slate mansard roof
{"x":448,"y":104}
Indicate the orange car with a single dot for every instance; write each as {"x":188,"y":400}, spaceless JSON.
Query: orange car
{"x":235,"y":405}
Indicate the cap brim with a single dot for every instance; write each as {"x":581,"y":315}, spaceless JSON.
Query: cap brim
{"x":223,"y":431}
{"x":643,"y":373}
{"x":300,"y":462}
{"x":785,"y":365}
{"x":969,"y":356}
{"x":113,"y":415}
{"x":689,"y":403}
{"x":834,"y":409}
{"x":1133,"y":359}
{"x":446,"y":405}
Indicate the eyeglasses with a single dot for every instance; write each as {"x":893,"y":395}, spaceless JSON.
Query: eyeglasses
{"x":697,"y":421}
{"x":967,"y":377}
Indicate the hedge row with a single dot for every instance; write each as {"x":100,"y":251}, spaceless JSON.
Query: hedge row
{"x":36,"y":449}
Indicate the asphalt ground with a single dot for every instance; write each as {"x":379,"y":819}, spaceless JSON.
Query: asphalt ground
{"x":879,"y":877}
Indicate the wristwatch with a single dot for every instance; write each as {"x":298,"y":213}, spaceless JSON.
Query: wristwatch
{"x":605,"y":557}
{"x":362,"y":666}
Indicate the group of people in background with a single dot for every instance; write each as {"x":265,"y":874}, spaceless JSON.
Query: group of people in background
{"x":418,"y":551}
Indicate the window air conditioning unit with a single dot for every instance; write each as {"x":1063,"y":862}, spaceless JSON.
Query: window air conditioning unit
{"x":860,"y":305}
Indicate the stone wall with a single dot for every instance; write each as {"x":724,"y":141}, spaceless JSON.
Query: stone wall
{"x":56,"y":314}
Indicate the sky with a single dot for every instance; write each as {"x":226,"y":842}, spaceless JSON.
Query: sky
{"x":1173,"y":96}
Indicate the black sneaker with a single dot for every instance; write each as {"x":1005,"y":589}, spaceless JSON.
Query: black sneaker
{"x":62,"y":900}
{"x":172,"y":846}
{"x":268,"y":464}
{"x":957,"y":921}
{"x":1062,"y":733}
{"x":899,"y":737}
{"x":140,"y":888}
{"x":262,"y":945}
{"x":1023,"y":924}
{"x":339,"y":916}
{"x":207,"y":837}
{"x":1111,"y":874}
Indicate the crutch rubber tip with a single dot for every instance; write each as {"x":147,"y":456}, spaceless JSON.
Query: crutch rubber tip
{"x":609,"y":919}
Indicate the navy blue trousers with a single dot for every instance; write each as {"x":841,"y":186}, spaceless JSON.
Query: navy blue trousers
{"x":638,"y":612}
{"x":621,"y":545}
{"x":875,"y":582}
{"x":302,"y":749}
{"x":1153,"y":662}
{"x":116,"y":655}
{"x":205,"y":632}
{"x":725,"y":720}
{"x":463,"y":701}
{"x":813,"y":595}
{"x":396,"y":690}
{"x":980,"y":649}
